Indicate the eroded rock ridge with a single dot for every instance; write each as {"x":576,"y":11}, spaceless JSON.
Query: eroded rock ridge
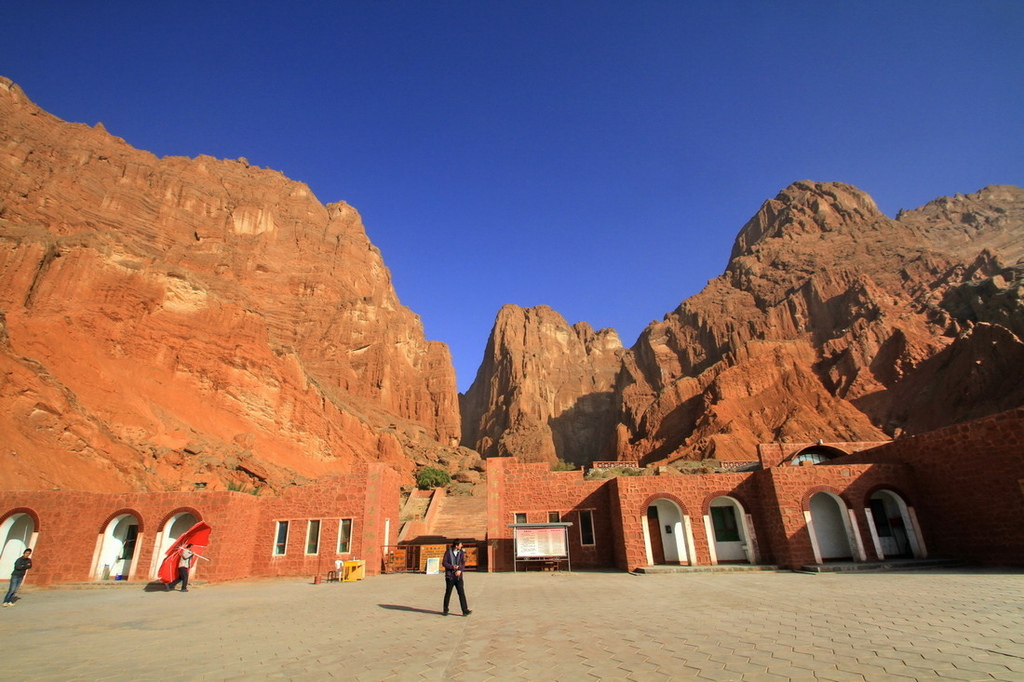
{"x":831,"y":322}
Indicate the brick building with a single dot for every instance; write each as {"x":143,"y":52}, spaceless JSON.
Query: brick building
{"x":81,"y":536}
{"x":956,"y":493}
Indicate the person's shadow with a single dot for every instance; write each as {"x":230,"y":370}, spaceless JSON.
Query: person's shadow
{"x":400,"y":607}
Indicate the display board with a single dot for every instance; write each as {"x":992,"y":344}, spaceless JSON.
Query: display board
{"x":547,"y":542}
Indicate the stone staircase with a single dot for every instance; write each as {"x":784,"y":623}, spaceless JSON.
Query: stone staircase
{"x":439,"y":518}
{"x":463,"y":518}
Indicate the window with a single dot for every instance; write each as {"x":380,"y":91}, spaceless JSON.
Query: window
{"x":313,"y":537}
{"x":586,"y":527}
{"x":520,"y":517}
{"x":724,"y":521}
{"x":281,"y":543}
{"x":553,"y":517}
{"x":128,"y":551}
{"x":345,"y":536}
{"x":880,"y":517}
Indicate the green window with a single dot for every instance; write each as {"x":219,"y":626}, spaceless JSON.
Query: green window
{"x":724,"y":521}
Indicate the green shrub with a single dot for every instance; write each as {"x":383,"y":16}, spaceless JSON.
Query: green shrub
{"x":432,"y":477}
{"x":601,"y":474}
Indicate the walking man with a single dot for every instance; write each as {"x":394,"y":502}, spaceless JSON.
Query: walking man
{"x":185,"y":560}
{"x":454,"y":563}
{"x":21,"y":564}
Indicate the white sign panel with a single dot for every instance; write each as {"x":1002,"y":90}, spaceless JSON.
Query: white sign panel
{"x":541,"y":542}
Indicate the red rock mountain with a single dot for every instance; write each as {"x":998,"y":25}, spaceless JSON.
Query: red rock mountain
{"x":830,"y":322}
{"x":545,"y":390}
{"x":172,"y":322}
{"x":168,"y":323}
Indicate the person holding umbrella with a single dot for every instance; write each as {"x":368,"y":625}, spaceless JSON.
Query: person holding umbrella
{"x":170,"y":567}
{"x":185,"y":560}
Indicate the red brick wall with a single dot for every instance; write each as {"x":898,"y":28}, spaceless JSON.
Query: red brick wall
{"x":533,"y":489}
{"x":789,"y":491}
{"x":68,"y":524}
{"x":693,"y":494}
{"x":970,"y":479}
{"x":775,"y":499}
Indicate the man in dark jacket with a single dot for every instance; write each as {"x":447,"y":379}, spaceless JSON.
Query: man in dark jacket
{"x":21,"y":564}
{"x":454,"y":563}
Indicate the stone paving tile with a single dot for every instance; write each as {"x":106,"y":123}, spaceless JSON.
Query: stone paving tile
{"x":594,"y":626}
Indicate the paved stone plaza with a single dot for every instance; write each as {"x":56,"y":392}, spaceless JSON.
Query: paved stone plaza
{"x":956,"y":624}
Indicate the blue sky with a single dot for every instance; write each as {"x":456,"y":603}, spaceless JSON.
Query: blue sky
{"x":597,"y":157}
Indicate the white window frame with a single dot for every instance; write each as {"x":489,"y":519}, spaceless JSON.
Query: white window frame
{"x":309,"y":528}
{"x":341,"y":528}
{"x":277,"y":534}
{"x":593,"y":530}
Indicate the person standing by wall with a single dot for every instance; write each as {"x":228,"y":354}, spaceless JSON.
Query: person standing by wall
{"x":21,"y":564}
{"x":185,"y":560}
{"x":454,"y":563}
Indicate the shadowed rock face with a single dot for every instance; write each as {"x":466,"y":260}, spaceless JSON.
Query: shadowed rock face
{"x":831,"y":322}
{"x":544,"y":391}
{"x":173,"y":321}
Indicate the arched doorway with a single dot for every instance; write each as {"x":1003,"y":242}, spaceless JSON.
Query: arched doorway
{"x":16,"y":533}
{"x":172,"y":530}
{"x":727,"y":524}
{"x":664,"y":534}
{"x":892,"y":526}
{"x":117,"y":548}
{"x":830,"y":527}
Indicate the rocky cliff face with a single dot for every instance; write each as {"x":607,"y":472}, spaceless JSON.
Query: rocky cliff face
{"x":831,"y":322}
{"x":544,"y":391}
{"x":172,"y":322}
{"x":168,"y":323}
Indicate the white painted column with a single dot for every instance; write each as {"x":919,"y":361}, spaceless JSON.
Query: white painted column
{"x":647,"y":540}
{"x":914,"y":535}
{"x":712,"y":550}
{"x":853,"y":534}
{"x":874,"y":533}
{"x":691,"y":552}
{"x":154,"y":565}
{"x":95,"y":572}
{"x":753,"y":552}
{"x":814,"y":538}
{"x":135,"y":556}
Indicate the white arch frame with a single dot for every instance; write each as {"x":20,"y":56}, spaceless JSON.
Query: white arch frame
{"x":166,"y":536}
{"x":110,"y":547}
{"x":678,"y":544}
{"x":910,"y":524}
{"x":850,"y":529}
{"x":13,"y":546}
{"x":745,"y":549}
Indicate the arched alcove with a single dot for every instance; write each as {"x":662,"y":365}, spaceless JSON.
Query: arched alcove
{"x":831,"y":527}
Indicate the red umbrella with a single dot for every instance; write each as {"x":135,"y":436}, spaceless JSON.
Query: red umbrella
{"x":198,"y":535}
